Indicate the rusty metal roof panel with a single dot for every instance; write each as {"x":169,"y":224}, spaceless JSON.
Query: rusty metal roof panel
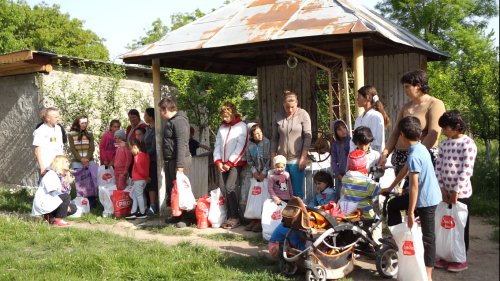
{"x":251,"y":21}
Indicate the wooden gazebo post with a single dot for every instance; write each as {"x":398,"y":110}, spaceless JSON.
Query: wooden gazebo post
{"x":358,"y":71}
{"x":158,"y":134}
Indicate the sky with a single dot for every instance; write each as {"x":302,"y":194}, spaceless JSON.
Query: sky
{"x":120,"y":22}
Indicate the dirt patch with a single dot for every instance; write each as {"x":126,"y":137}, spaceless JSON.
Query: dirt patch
{"x":483,"y":255}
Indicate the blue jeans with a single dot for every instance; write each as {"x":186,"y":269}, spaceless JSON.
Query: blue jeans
{"x":297,"y":176}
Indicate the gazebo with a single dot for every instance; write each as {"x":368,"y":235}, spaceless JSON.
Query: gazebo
{"x":284,"y":43}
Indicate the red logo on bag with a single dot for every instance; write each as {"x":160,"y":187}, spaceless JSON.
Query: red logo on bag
{"x":408,"y":249}
{"x":257,"y":190}
{"x":276,"y":215}
{"x":106,"y":176}
{"x":123,"y":203}
{"x":85,"y":202}
{"x":221,"y":201}
{"x":447,"y":222}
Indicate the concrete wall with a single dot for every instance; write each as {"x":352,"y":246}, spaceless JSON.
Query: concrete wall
{"x":19,"y":114}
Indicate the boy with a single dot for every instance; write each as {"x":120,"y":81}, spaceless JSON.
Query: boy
{"x":424,"y":192}
{"x":454,"y":167}
{"x":123,"y":160}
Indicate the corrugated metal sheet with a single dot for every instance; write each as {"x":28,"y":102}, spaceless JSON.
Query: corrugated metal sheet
{"x":251,"y":21}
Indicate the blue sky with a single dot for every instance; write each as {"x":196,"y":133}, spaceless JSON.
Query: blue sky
{"x":119,"y":22}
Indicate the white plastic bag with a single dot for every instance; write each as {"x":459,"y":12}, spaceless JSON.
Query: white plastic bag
{"x":411,"y":266}
{"x":105,"y":176}
{"x":271,"y":217}
{"x":82,"y":206}
{"x":186,"y":198}
{"x":450,"y":225}
{"x":257,"y":194}
{"x":105,"y":193}
{"x":217,"y":214}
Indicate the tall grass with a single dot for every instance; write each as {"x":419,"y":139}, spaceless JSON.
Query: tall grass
{"x":485,"y":184}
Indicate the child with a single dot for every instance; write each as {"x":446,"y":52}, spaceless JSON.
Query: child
{"x":340,"y":150}
{"x":362,"y":138}
{"x":280,"y":187}
{"x":454,"y":167}
{"x":424,"y":193}
{"x":258,"y":156}
{"x":140,"y":175}
{"x":324,"y":190}
{"x":139,"y":134}
{"x":107,"y":148}
{"x":297,"y":240}
{"x":122,"y":161}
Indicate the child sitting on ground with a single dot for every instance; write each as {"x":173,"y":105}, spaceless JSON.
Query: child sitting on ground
{"x":122,"y":161}
{"x":454,"y":167}
{"x":296,"y":238}
{"x":140,"y":176}
{"x":324,"y":190}
{"x":279,"y":186}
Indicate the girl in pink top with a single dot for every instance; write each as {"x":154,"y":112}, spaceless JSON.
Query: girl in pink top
{"x":279,"y":186}
{"x":454,"y":167}
{"x":107,"y":149}
{"x":140,"y":176}
{"x":123,"y":159}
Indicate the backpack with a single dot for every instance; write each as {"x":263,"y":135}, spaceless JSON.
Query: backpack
{"x":295,"y":214}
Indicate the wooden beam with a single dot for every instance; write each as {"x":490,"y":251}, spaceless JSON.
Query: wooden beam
{"x":358,"y":70}
{"x":16,"y":56}
{"x":345,"y":77}
{"x":25,"y":69}
{"x":159,"y":135}
{"x":320,"y":51}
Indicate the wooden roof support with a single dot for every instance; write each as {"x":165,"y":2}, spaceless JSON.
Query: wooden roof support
{"x":24,"y":69}
{"x":158,"y":135}
{"x":358,"y":70}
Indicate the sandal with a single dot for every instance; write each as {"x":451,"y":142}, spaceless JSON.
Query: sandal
{"x":231,"y":223}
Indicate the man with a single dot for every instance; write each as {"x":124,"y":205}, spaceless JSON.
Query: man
{"x":175,"y":147}
{"x":48,"y":140}
{"x":135,"y":122}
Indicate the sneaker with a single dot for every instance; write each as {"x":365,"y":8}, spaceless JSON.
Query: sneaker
{"x":132,"y":216}
{"x":60,"y":222}
{"x":250,"y":226}
{"x":141,"y":216}
{"x":457,"y":266}
{"x":441,"y":264}
{"x":150,"y":211}
{"x":181,"y":224}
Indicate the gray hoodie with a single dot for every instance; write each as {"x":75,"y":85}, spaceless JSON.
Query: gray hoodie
{"x":176,"y":138}
{"x":291,"y":135}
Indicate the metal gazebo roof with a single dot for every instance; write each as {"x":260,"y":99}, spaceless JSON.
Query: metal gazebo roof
{"x":245,"y":34}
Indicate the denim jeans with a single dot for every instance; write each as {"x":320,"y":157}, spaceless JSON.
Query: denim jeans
{"x":297,"y":176}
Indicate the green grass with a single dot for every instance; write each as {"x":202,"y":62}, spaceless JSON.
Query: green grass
{"x":254,"y":240}
{"x":17,"y":201}
{"x":169,"y":230}
{"x":35,"y":251}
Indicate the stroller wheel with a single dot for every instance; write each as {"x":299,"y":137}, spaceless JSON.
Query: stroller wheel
{"x":321,"y":274}
{"x":287,"y":268}
{"x":387,"y":262}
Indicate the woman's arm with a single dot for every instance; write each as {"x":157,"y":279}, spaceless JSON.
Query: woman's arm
{"x":392,"y":140}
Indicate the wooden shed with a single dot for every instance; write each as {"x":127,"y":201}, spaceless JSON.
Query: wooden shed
{"x":286,"y":42}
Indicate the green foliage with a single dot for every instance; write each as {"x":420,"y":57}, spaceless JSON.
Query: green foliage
{"x":15,"y":201}
{"x":45,"y":28}
{"x":35,"y":251}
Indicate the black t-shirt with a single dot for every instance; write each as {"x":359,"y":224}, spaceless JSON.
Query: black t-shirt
{"x":193,"y":146}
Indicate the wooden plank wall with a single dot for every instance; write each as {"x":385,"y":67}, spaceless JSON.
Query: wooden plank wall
{"x":385,"y":72}
{"x":274,"y":79}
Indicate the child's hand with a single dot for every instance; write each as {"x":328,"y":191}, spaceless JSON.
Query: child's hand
{"x":411,"y":219}
{"x":277,"y":201}
{"x":148,"y":180}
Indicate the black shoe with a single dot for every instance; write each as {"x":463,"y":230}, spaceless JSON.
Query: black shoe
{"x":150,"y":211}
{"x":173,"y":220}
{"x":132,"y":216}
{"x":141,"y":216}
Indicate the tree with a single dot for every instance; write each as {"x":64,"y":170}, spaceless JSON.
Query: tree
{"x":45,"y":28}
{"x":201,"y":94}
{"x":469,"y":80}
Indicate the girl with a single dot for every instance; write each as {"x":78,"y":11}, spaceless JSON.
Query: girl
{"x":279,"y":186}
{"x":107,"y":147}
{"x":454,"y":167}
{"x":324,"y":190}
{"x":123,"y":159}
{"x":52,"y":199}
{"x":140,"y":175}
{"x":339,"y":153}
{"x":229,"y":158}
{"x":258,"y":158}
{"x":374,"y":116}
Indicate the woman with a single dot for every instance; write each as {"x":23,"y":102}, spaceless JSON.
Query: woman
{"x":229,"y":158}
{"x":81,"y":145}
{"x":291,"y":137}
{"x":259,"y":159}
{"x":52,"y":199}
{"x":374,"y":116}
{"x":107,"y":149}
{"x":150,"y":142}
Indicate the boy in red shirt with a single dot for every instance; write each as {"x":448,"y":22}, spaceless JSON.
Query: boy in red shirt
{"x":140,"y":176}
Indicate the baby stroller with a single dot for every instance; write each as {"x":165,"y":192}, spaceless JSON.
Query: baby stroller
{"x":329,"y":243}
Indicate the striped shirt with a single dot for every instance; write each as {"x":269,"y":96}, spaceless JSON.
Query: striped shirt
{"x":81,"y":145}
{"x":359,"y":188}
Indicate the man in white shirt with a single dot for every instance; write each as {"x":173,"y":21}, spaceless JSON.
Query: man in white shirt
{"x":47,"y":140}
